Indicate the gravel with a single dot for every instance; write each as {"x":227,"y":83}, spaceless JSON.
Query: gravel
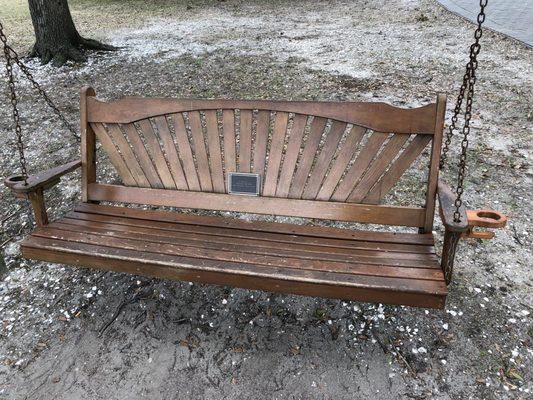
{"x":71,"y":333}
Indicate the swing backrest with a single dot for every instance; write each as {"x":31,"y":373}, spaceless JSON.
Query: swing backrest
{"x":326,"y":160}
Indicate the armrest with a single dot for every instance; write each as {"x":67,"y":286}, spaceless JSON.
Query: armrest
{"x":43,"y":180}
{"x":447,"y":209}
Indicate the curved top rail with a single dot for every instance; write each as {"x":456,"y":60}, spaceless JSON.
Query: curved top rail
{"x":380,"y":117}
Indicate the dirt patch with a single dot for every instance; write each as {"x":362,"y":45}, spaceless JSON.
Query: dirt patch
{"x":73,"y":333}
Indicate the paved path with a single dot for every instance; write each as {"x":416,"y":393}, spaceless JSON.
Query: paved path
{"x":513,"y":18}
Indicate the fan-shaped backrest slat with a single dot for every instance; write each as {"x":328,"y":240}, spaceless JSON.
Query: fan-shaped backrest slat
{"x":185,"y":152}
{"x":215,"y":152}
{"x":298,"y":156}
{"x":171,"y":153}
{"x":324,"y":160}
{"x":291,"y":155}
{"x":154,"y":149}
{"x":245,"y":141}
{"x":275,"y":154}
{"x":306,"y":153}
{"x":341,"y":162}
{"x":261,"y":139}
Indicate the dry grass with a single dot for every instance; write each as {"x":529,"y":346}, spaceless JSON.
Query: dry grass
{"x":94,"y":18}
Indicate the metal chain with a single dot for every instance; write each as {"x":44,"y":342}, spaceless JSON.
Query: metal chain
{"x":16,"y":117}
{"x":10,"y":53}
{"x":469,"y":81}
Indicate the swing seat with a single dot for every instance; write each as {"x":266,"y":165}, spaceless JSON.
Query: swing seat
{"x":381,"y":267}
{"x":316,"y":160}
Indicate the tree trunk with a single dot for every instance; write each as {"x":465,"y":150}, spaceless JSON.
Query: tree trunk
{"x":56,"y":36}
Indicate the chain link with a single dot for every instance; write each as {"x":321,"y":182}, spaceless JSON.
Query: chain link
{"x":467,"y":87}
{"x":13,"y":94}
{"x":13,"y":58}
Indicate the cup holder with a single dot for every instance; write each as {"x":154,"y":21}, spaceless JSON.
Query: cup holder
{"x":489,"y":215}
{"x":486,"y":218}
{"x":14,"y":180}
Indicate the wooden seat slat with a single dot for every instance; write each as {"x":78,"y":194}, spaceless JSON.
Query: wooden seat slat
{"x":384,"y":258}
{"x":245,"y":255}
{"x":390,"y":290}
{"x":232,"y":234}
{"x":418,"y":239}
{"x":221,"y":235}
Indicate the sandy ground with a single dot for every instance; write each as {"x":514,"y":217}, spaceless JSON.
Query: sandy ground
{"x":77,"y":334}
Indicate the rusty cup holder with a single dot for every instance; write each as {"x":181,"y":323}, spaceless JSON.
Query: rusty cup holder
{"x":486,"y":219}
{"x":13,"y":180}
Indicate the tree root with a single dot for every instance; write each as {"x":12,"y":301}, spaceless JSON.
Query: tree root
{"x":72,"y":52}
{"x":91,"y":44}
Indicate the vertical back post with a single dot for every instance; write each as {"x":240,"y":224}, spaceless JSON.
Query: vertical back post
{"x":433,"y":177}
{"x":88,"y":144}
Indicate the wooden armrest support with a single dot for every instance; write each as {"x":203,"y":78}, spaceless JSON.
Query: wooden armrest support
{"x":43,"y":180}
{"x":447,"y":209}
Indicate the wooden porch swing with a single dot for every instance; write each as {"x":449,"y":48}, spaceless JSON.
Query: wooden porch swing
{"x":320,"y":160}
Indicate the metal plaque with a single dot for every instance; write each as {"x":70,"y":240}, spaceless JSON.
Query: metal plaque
{"x":244,"y":183}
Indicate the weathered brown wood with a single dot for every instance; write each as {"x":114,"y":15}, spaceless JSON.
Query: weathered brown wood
{"x":39,"y":209}
{"x":245,"y":141}
{"x":228,"y":125}
{"x":376,"y":253}
{"x":142,"y":155}
{"x":434,"y":162}
{"x":389,"y":215}
{"x":127,"y":154}
{"x":291,"y":155}
{"x":307,"y":158}
{"x":88,"y":143}
{"x":397,"y":268}
{"x":448,"y":209}
{"x":379,"y":117}
{"x":449,"y":247}
{"x":204,"y":173}
{"x":358,"y":168}
{"x":215,"y":152}
{"x":372,"y":174}
{"x":324,"y":160}
{"x":405,"y":269}
{"x":198,"y":236}
{"x":275,"y":153}
{"x":170,"y":152}
{"x":114,"y":155}
{"x":347,"y":236}
{"x":154,"y":149}
{"x":340,"y":164}
{"x":269,"y":279}
{"x":261,"y":139}
{"x":185,"y":151}
{"x":42,"y":180}
{"x":396,"y":170}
